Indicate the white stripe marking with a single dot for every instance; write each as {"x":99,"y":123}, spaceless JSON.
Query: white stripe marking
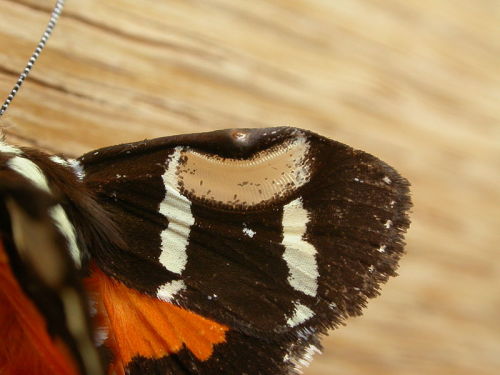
{"x":58,"y":160}
{"x":70,"y":163}
{"x":29,"y":170}
{"x":4,"y":147}
{"x":33,"y":173}
{"x":77,"y":168}
{"x":167,"y":291}
{"x":300,"y":255}
{"x":67,"y":229}
{"x":177,"y":209}
{"x":301,"y":314}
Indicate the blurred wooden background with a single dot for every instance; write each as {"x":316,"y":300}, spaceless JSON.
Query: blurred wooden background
{"x":415,"y":82}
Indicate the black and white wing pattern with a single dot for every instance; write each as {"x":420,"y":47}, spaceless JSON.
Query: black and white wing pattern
{"x":271,"y":235}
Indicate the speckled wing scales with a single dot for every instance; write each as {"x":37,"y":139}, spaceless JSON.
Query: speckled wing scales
{"x":277,"y":234}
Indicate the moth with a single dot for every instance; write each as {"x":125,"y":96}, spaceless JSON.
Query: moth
{"x":228,"y":252}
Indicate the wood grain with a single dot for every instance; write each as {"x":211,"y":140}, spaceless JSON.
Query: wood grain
{"x":415,"y":82}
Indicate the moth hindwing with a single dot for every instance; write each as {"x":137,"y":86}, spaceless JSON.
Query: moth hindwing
{"x":228,"y":252}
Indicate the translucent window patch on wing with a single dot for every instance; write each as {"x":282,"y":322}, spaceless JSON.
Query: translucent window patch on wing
{"x":271,"y":174}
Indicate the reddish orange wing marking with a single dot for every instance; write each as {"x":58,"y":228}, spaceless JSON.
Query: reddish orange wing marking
{"x":25,"y":346}
{"x":140,"y":325}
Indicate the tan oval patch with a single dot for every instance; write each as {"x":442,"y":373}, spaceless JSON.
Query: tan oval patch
{"x":271,"y":174}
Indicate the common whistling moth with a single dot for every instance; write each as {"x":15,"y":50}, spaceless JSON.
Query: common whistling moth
{"x":228,"y":252}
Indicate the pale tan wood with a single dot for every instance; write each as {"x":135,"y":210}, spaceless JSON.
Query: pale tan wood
{"x":415,"y":82}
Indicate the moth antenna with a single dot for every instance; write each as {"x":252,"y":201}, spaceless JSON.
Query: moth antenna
{"x":56,"y":12}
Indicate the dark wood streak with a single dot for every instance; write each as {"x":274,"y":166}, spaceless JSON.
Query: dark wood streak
{"x":47,"y":85}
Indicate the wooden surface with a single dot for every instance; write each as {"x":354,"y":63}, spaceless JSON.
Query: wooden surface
{"x":415,"y":82}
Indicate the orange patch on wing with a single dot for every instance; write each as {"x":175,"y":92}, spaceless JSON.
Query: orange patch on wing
{"x":141,"y":325}
{"x":25,"y":345}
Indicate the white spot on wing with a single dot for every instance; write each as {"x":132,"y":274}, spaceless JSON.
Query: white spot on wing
{"x":177,"y":209}
{"x":33,"y":173}
{"x":101,"y":334}
{"x":167,"y":291}
{"x":388,"y":224}
{"x":77,"y":168}
{"x":301,"y":314}
{"x":300,"y":255}
{"x":387,"y":180}
{"x":70,"y":163}
{"x":248,"y":232}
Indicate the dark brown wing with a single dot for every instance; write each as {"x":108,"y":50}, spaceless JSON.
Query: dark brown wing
{"x":277,"y":233}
